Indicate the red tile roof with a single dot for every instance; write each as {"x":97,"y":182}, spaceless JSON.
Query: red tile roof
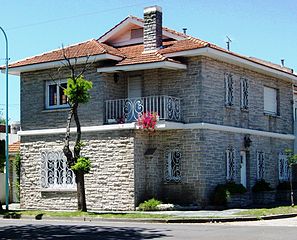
{"x":15,"y":147}
{"x":88,"y":48}
{"x":134,"y":54}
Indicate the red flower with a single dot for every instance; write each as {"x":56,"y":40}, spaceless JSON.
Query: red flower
{"x":148,"y":121}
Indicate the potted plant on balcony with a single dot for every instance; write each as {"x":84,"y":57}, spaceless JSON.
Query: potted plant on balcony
{"x":148,"y":121}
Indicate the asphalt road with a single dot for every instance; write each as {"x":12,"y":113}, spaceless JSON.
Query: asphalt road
{"x":22,"y":229}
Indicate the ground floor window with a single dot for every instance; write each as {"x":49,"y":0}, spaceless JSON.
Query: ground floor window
{"x":230,"y":163}
{"x":260,"y":165}
{"x":55,"y":174}
{"x":283,"y":167}
{"x":173,"y":166}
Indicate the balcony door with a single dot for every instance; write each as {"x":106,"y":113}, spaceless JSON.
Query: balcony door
{"x":134,"y":104}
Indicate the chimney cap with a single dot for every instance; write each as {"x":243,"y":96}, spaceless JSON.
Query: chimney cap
{"x":152,"y":9}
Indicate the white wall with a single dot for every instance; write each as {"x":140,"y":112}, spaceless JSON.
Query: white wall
{"x":12,"y":138}
{"x":2,"y":188}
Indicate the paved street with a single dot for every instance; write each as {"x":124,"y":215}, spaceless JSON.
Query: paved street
{"x":22,"y":229}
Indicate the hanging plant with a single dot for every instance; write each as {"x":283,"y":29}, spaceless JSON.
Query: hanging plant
{"x":148,"y":121}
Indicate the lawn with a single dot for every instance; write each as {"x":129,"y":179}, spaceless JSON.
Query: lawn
{"x":40,"y":214}
{"x":268,"y":211}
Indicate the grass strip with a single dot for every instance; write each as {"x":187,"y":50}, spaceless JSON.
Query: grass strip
{"x":268,"y":211}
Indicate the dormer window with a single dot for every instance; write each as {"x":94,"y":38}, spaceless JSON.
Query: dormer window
{"x":136,"y":33}
{"x":54,"y":94}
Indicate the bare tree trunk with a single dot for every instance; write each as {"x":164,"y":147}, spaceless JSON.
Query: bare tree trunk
{"x":80,"y":178}
{"x":81,"y":196}
{"x":66,"y":149}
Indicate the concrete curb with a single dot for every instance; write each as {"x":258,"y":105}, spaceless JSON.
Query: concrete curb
{"x":152,"y":220}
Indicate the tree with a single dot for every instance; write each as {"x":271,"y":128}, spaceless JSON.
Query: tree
{"x":292,"y":159}
{"x":2,"y":119}
{"x":77,"y":93}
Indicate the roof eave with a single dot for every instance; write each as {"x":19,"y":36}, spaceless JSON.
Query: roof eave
{"x":143,"y":66}
{"x":237,"y":60}
{"x":58,"y":63}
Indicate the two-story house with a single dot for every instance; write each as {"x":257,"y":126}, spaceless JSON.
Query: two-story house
{"x":223,"y":116}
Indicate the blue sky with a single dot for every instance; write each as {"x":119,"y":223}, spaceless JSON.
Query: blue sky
{"x":261,"y":28}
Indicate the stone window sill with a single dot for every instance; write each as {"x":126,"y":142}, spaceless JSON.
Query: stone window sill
{"x":58,"y":190}
{"x":55,"y":110}
{"x":244,"y":110}
{"x":273,"y":115}
{"x":231,"y":107}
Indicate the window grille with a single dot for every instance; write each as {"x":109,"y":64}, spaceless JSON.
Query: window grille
{"x":173,"y":166}
{"x":260,"y":165}
{"x":229,"y":89}
{"x":230,"y":163}
{"x":283,"y":167}
{"x":55,"y":174}
{"x":244,"y":94}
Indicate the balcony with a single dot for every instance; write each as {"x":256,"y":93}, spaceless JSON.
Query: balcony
{"x":128,"y":109}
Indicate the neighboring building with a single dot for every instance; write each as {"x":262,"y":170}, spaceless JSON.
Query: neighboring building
{"x":223,"y":117}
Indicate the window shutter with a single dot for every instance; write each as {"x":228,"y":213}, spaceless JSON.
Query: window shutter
{"x":270,"y":100}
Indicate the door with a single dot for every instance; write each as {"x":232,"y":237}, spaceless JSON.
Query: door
{"x":134,"y":105}
{"x":243,"y":168}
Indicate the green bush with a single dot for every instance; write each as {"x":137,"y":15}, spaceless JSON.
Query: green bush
{"x":223,"y":191}
{"x":149,"y":205}
{"x":283,"y":186}
{"x":261,"y":186}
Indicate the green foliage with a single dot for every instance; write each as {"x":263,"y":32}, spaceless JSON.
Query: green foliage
{"x":149,"y":205}
{"x":223,"y":191}
{"x":83,"y":164}
{"x":77,"y":90}
{"x":261,"y":186}
{"x":292,"y":158}
{"x":283,"y":186}
{"x":17,"y":164}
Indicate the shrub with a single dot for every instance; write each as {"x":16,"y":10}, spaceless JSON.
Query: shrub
{"x":149,"y":205}
{"x":223,"y":191}
{"x":261,"y":186}
{"x":283,"y":186}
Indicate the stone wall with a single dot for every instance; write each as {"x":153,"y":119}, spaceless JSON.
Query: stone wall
{"x":34,"y":115}
{"x":109,"y":185}
{"x":213,"y":107}
{"x":203,"y":163}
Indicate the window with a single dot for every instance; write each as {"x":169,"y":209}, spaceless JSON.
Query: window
{"x":260,"y":165}
{"x":283,"y":167}
{"x":55,"y":174}
{"x":173,"y":166}
{"x":244,"y":91}
{"x":230,"y":163}
{"x":270,"y":101}
{"x":229,"y":89}
{"x":55,"y":97}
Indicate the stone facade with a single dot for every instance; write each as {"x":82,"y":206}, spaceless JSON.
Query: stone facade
{"x":123,"y":174}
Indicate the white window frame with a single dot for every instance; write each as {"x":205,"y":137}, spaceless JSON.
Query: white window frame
{"x":57,"y":83}
{"x":230,"y":164}
{"x":283,"y":167}
{"x":244,"y":94}
{"x":229,"y":90}
{"x":173,"y":166}
{"x":260,"y":165}
{"x":270,"y":100}
{"x":54,"y":171}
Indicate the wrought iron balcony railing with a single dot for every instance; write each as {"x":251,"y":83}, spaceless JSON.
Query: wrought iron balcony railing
{"x":129,"y":109}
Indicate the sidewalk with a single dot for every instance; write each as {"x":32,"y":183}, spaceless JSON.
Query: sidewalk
{"x":199,"y":216}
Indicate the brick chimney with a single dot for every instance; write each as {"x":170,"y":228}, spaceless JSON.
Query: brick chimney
{"x":152,"y":31}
